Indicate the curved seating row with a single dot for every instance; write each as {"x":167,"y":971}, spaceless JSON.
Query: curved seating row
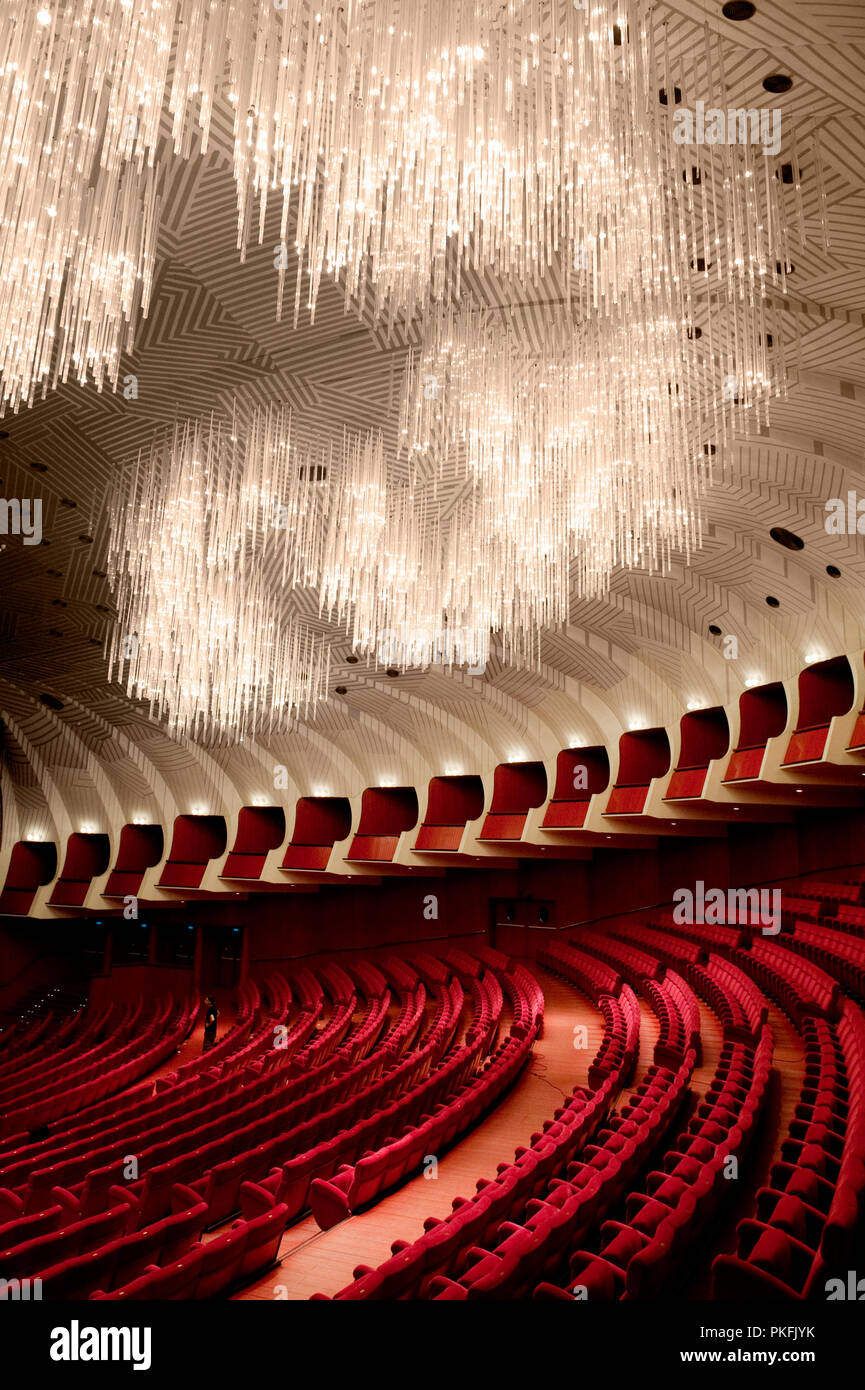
{"x":807,"y":1218}
{"x":529,"y":1253}
{"x":446,"y":1245}
{"x":464,"y":1097}
{"x":638,"y":1255}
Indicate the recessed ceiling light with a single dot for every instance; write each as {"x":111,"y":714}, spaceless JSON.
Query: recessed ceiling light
{"x":788,"y":539}
{"x":738,"y":9}
{"x":695,"y":704}
{"x":392,"y":672}
{"x":714,"y":629}
{"x":772,"y":601}
{"x":811,"y":657}
{"x":751,"y":681}
{"x":833,"y":571}
{"x":777,"y":82}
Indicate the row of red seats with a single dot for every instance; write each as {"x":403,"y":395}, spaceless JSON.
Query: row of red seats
{"x":178,"y":1281}
{"x":669,"y":996}
{"x":90,"y":1230}
{"x":801,"y":988}
{"x":592,"y":976}
{"x":444,"y":1247}
{"x":617,"y":1054}
{"x":632,"y":963}
{"x":122,"y":1256}
{"x":675,"y":951}
{"x":831,"y":894}
{"x":210,"y":1270}
{"x":675,"y":1004}
{"x":369,"y":977}
{"x":110,"y":1029}
{"x":162,"y":1122}
{"x":843,"y":957}
{"x":217,"y":1103}
{"x":248,"y":1016}
{"x":312,"y":1157}
{"x":639,"y":1255}
{"x":532,"y":1252}
{"x":49,"y":1038}
{"x":116,"y":1071}
{"x":463,"y":1098}
{"x":220,"y":1162}
{"x":708,"y":934}
{"x":807,"y":1218}
{"x":267,"y":1132}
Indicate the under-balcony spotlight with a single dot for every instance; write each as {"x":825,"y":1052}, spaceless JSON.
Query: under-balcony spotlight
{"x":751,"y":681}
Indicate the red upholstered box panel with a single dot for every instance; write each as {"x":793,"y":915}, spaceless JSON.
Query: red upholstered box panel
{"x":378,"y":847}
{"x":506,"y":827}
{"x":745,"y":763}
{"x":307,"y":856}
{"x":243,"y":865}
{"x":627,"y":801}
{"x":566,"y":814}
{"x":16,"y":902}
{"x":120,"y":884}
{"x":687,"y":781}
{"x":807,"y":745}
{"x":69,"y":892}
{"x":439,"y":837}
{"x":182,"y":875}
{"x":858,"y":739}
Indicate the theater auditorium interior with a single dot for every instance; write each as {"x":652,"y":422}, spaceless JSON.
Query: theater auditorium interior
{"x":432,"y":655}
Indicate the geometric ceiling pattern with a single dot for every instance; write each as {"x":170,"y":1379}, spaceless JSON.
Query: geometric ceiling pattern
{"x":636,"y":657}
